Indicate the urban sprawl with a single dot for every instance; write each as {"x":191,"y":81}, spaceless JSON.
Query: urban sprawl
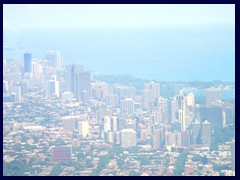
{"x":62,"y":120}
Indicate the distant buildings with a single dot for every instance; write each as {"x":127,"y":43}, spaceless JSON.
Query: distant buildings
{"x":201,"y":133}
{"x":83,"y":86}
{"x":127,"y":106}
{"x":54,"y":59}
{"x":128,"y":138}
{"x":27,"y":62}
{"x":213,"y":95}
{"x":214,"y":114}
{"x":206,"y":133}
{"x":62,"y":153}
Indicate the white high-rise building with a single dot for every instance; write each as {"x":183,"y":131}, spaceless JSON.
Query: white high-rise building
{"x":54,"y":59}
{"x":148,"y":99}
{"x":182,"y":119}
{"x":128,"y":138}
{"x":127,"y":106}
{"x":52,"y":87}
{"x":16,"y":92}
{"x":190,"y":100}
{"x":83,"y":128}
{"x":155,"y":87}
{"x":107,"y":124}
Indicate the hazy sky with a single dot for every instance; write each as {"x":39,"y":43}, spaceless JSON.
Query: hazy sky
{"x":120,"y":15}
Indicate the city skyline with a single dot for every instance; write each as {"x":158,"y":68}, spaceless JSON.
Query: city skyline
{"x":119,"y":90}
{"x":173,"y":42}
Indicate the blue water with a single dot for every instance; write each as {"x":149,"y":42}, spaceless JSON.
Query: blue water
{"x":226,"y":94}
{"x":189,"y":53}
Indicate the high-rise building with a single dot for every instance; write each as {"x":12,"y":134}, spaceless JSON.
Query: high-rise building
{"x":127,"y":106}
{"x":27,"y":62}
{"x":185,"y":138}
{"x":83,"y":128}
{"x":72,"y":71}
{"x":214,"y":114}
{"x":52,"y":89}
{"x":111,"y":100}
{"x":190,"y":100}
{"x":173,"y":139}
{"x":54,"y":59}
{"x":148,"y":99}
{"x":128,"y":138}
{"x":83,"y":85}
{"x":115,"y":124}
{"x":157,"y":139}
{"x":182,"y":119}
{"x":155,"y":87}
{"x":172,"y":109}
{"x":196,"y":133}
{"x":213,"y":95}
{"x":107,"y":124}
{"x":5,"y":88}
{"x":206,"y":133}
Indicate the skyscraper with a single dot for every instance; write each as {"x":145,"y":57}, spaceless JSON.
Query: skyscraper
{"x":128,"y":138}
{"x":196,"y":127}
{"x":212,"y":95}
{"x":206,"y":133}
{"x":185,"y":138}
{"x":83,"y":128}
{"x":54,"y":59}
{"x":214,"y":114}
{"x":83,"y":85}
{"x":127,"y":106}
{"x":52,"y":88}
{"x":74,"y":70}
{"x":155,"y":87}
{"x":157,"y":139}
{"x":27,"y":62}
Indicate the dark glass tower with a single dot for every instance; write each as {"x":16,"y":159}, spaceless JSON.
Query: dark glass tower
{"x":27,"y":62}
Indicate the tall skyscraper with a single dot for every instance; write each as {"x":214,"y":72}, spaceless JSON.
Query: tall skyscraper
{"x":107,"y":124}
{"x":52,"y":88}
{"x":182,"y":119}
{"x":155,"y":87}
{"x":54,"y":59}
{"x":83,"y":128}
{"x":172,"y":109}
{"x":27,"y":62}
{"x":157,"y":139}
{"x":127,"y":106}
{"x":75,"y":69}
{"x":111,"y":100}
{"x":196,"y":127}
{"x":214,"y":114}
{"x":128,"y":138}
{"x":206,"y":133}
{"x":190,"y":100}
{"x":83,"y":85}
{"x":213,"y":95}
{"x":185,"y":138}
{"x":147,"y":99}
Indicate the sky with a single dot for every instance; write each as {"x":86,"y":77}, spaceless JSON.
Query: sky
{"x":115,"y":15}
{"x":162,"y":41}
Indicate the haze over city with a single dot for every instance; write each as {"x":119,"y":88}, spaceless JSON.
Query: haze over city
{"x":163,"y":42}
{"x":119,"y":90}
